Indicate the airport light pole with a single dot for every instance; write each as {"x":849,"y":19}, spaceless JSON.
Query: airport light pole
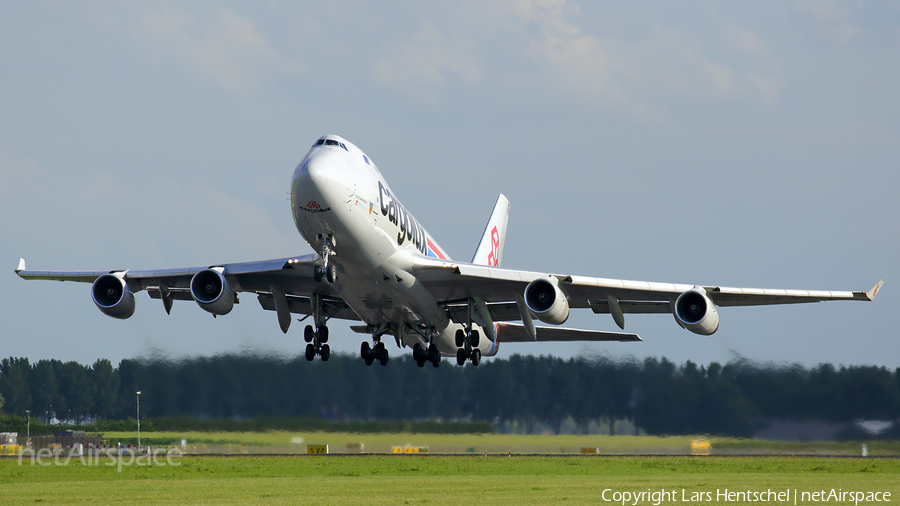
{"x":28,"y":437}
{"x":139,"y":418}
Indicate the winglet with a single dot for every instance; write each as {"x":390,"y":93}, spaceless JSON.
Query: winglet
{"x":21,"y":266}
{"x":874,"y":290}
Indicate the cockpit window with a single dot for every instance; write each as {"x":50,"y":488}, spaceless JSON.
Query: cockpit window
{"x":330,"y":142}
{"x":366,"y":158}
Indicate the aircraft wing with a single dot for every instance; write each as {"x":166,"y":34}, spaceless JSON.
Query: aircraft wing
{"x":292,"y":277}
{"x":454,"y":283}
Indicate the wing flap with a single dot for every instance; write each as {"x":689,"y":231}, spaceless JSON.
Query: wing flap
{"x":176,"y":294}
{"x":725,"y":296}
{"x":515,"y":333}
{"x":499,"y":311}
{"x":77,"y":276}
{"x":632,"y":306}
{"x":333,"y":307}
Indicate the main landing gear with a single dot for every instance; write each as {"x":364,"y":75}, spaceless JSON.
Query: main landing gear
{"x":317,"y":340}
{"x":467,"y":342}
{"x":377,"y":351}
{"x":371,"y":354}
{"x":421,"y":354}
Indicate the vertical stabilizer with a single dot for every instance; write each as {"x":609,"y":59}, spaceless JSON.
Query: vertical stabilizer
{"x":490,"y":249}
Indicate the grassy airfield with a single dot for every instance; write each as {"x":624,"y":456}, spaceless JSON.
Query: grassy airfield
{"x":288,"y":442}
{"x":433,"y":479}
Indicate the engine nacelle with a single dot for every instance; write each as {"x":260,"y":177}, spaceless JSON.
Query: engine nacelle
{"x":212,"y":292}
{"x":112,"y":296}
{"x":695,"y":312}
{"x":546,"y":301}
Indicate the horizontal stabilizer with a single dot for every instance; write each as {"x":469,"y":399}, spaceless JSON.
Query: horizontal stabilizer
{"x":515,"y":333}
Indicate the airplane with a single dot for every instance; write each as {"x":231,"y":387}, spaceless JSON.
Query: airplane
{"x":375,"y":265}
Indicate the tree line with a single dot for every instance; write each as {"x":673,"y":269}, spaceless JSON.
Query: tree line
{"x":656,"y":395}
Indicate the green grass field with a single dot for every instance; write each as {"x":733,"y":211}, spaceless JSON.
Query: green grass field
{"x":287,"y":442}
{"x":432,"y":479}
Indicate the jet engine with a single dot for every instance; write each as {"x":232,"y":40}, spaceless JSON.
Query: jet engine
{"x":695,"y":312}
{"x":112,"y":296}
{"x":546,"y":301}
{"x":212,"y":292}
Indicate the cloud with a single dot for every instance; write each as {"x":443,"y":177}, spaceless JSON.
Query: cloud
{"x":549,"y":54}
{"x":764,"y":77}
{"x":829,"y":20}
{"x":638,"y":74}
{"x":428,"y":62}
{"x":577,"y":61}
{"x":15,"y":169}
{"x":224,"y":47}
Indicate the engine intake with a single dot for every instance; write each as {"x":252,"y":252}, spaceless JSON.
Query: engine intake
{"x":546,"y":301}
{"x":112,"y":296}
{"x":212,"y":292}
{"x":696,"y":312}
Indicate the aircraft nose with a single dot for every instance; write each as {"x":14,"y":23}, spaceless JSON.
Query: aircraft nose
{"x":317,"y":172}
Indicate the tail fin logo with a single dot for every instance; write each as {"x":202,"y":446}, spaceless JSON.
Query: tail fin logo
{"x":493,"y":240}
{"x":492,"y":260}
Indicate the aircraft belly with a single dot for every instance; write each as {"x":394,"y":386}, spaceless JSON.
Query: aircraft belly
{"x":357,"y":250}
{"x":378,"y":300}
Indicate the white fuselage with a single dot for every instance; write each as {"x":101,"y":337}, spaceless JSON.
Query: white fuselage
{"x":339,"y":196}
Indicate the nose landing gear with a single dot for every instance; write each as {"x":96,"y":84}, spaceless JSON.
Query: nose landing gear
{"x":325,"y":271}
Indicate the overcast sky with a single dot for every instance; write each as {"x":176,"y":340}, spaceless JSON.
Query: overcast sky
{"x":751,"y":145}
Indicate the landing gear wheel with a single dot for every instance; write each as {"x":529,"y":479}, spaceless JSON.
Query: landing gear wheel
{"x":318,"y":274}
{"x":331,"y":273}
{"x":461,"y":357}
{"x":460,"y":338}
{"x":381,"y":353}
{"x":434,"y":355}
{"x":365,"y":351}
{"x":476,"y":357}
{"x":325,"y":352}
{"x":323,"y":334}
{"x":419,"y":354}
{"x":310,"y":352}
{"x":308,"y":334}
{"x":474,"y":338}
